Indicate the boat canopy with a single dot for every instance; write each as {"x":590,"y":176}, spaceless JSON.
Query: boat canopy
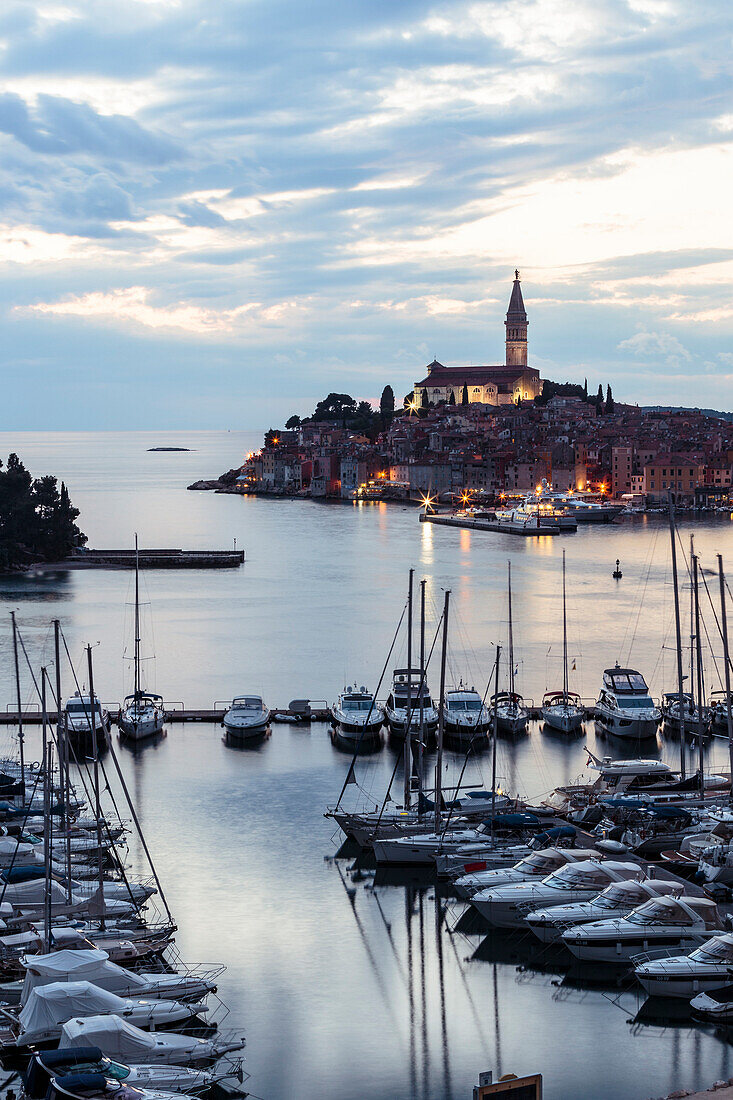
{"x":51,"y":1005}
{"x":66,"y":966}
{"x":129,"y":1044}
{"x":558,"y":832}
{"x":513,"y":821}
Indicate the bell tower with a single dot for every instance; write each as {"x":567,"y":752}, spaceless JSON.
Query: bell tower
{"x":516,"y":328}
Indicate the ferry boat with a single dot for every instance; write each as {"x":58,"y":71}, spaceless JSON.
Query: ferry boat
{"x":356,"y":715}
{"x":405,"y":699}
{"x":624,"y":707}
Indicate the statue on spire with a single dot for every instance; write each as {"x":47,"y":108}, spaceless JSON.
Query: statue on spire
{"x":516,"y":273}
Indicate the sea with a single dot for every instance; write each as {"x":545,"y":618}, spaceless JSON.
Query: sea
{"x":346,"y":984}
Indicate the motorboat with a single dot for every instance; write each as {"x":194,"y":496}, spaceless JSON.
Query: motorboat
{"x":124,"y":945}
{"x":512,"y":716}
{"x":49,"y":1064}
{"x":94,"y":966}
{"x":470,"y":859}
{"x":364,"y":827}
{"x":142,"y":715}
{"x":95,"y":1086}
{"x":121,"y":1039}
{"x":356,"y":716}
{"x":716,"y":861}
{"x":624,"y":707}
{"x":563,"y":711}
{"x":50,"y":1006}
{"x":466,"y":718}
{"x":87,"y":728}
{"x":692,"y":714}
{"x":30,"y":896}
{"x":246,"y":717}
{"x":709,"y":966}
{"x":540,"y":510}
{"x":507,"y":906}
{"x":683,"y":923}
{"x":617,"y":900}
{"x":715,"y":1005}
{"x":406,"y":697}
{"x":494,"y":835}
{"x":719,"y":713}
{"x":537,"y":865}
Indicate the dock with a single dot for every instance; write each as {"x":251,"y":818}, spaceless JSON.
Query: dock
{"x":493,"y":525}
{"x":173,"y":714}
{"x":149,"y":559}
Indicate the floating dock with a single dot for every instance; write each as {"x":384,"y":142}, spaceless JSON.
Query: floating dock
{"x":174,"y":715}
{"x":149,"y":559}
{"x":528,"y":531}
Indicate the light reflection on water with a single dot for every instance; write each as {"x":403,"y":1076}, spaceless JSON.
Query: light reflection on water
{"x":346,"y":988}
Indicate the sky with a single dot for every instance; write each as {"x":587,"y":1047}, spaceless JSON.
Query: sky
{"x":213,"y":212}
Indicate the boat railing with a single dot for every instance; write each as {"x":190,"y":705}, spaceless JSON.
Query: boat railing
{"x":173,"y":704}
{"x":666,"y":953}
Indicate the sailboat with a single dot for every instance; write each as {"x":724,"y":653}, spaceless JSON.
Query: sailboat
{"x":142,"y":714}
{"x":562,"y":710}
{"x":511,"y":714}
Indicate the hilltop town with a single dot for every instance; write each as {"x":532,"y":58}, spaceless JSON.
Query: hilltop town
{"x":482,"y":431}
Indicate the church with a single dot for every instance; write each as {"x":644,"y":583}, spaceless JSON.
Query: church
{"x":503,"y":384}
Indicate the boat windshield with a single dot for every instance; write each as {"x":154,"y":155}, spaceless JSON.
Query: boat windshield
{"x":659,"y":912}
{"x":247,"y":702}
{"x":401,"y":702}
{"x":626,"y":680}
{"x":536,"y":864}
{"x":464,"y":704}
{"x":357,"y":704}
{"x":576,"y":877}
{"x":636,"y":702}
{"x":82,"y":708}
{"x":619,"y":896}
{"x":114,"y":1070}
{"x":718,"y":949}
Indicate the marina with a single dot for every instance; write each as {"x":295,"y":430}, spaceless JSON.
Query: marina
{"x":382,"y":956}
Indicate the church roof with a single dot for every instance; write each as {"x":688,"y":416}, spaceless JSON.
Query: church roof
{"x":516,"y":311}
{"x":500,"y":374}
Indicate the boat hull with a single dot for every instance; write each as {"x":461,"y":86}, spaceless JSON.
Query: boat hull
{"x":622,"y":950}
{"x":140,"y":729}
{"x":564,"y":719}
{"x":628,"y":729}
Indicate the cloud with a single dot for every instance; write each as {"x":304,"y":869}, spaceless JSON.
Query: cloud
{"x":657,"y":345}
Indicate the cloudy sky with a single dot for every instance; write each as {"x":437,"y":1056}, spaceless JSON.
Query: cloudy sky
{"x":214,"y":211}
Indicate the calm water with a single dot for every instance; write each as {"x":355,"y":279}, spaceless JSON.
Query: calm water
{"x":349,"y":989}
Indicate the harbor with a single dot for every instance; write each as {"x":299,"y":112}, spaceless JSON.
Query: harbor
{"x":394,"y":983}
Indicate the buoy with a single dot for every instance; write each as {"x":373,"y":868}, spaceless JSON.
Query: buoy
{"x":617,"y":574}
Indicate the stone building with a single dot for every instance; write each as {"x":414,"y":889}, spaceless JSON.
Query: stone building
{"x":501,"y":384}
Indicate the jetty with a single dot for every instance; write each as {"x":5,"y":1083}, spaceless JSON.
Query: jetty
{"x":505,"y":527}
{"x":149,"y":559}
{"x":177,"y":713}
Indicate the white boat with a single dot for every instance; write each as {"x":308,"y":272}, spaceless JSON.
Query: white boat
{"x":715,"y":1005}
{"x":142,"y":714}
{"x":538,"y":513}
{"x":246,"y":717}
{"x":364,"y":827}
{"x":719,"y":713}
{"x":356,"y":715}
{"x":683,"y":923}
{"x":691,"y":713}
{"x":624,"y":707}
{"x":537,"y":865}
{"x":405,"y":699}
{"x":508,"y":706}
{"x":85,"y":1086}
{"x":617,"y":900}
{"x":85,"y":730}
{"x":709,"y":966}
{"x":50,"y":1006}
{"x":580,"y":508}
{"x":49,"y":1064}
{"x":465,"y":717}
{"x":119,"y":1038}
{"x":562,"y":710}
{"x":507,"y":906}
{"x":94,"y":966}
{"x":423,"y":849}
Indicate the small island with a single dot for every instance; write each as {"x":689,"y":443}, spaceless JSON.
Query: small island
{"x":37,"y":519}
{"x":169,"y":448}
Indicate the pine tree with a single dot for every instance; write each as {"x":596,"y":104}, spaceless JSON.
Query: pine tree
{"x":609,"y":400}
{"x":585,"y":389}
{"x":386,"y":406}
{"x":424,"y":402}
{"x":452,"y":398}
{"x":599,"y":399}
{"x":464,"y":395}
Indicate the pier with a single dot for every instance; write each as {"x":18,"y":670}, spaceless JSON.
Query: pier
{"x":149,"y":559}
{"x":174,"y":714}
{"x":492,"y":525}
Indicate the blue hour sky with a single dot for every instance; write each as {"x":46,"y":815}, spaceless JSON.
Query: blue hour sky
{"x":212,"y":212}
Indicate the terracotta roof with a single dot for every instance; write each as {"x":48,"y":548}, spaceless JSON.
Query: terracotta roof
{"x":456,"y":376}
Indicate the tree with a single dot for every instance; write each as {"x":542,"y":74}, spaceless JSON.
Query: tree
{"x":599,"y":400}
{"x":464,"y":395}
{"x":293,"y":423}
{"x":452,"y":398}
{"x":337,"y":406}
{"x":271,"y":438}
{"x":585,"y":389}
{"x":386,"y":406}
{"x":424,"y":400}
{"x":37,"y":521}
{"x":609,"y":400}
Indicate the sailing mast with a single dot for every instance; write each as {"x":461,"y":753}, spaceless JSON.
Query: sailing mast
{"x":21,"y":738}
{"x":564,"y":639}
{"x":493,"y":746}
{"x":137,"y":621}
{"x":407,"y":758}
{"x":726,"y":659}
{"x":62,"y":747}
{"x":700,"y":691}
{"x":441,"y":715}
{"x":47,"y":831}
{"x":678,"y":629}
{"x":511,"y":636}
{"x":97,"y":808}
{"x":422,"y":686}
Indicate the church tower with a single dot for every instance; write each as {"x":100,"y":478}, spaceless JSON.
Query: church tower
{"x":516,"y":328}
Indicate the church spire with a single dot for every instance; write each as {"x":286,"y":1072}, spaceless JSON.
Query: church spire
{"x":516,"y":327}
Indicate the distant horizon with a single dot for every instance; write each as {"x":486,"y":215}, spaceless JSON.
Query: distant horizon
{"x":214,"y":212}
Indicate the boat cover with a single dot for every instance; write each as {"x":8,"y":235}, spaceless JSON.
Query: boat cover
{"x":513,"y":821}
{"x":126,"y":1043}
{"x":62,"y":966}
{"x":33,"y":893}
{"x":50,"y":1005}
{"x":559,"y":832}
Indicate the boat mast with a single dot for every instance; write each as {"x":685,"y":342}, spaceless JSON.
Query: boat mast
{"x":47,"y":833}
{"x":726,"y":659}
{"x":494,"y":739}
{"x":678,"y":628}
{"x":692,"y":626}
{"x":511,"y":636}
{"x":137,"y":620}
{"x":698,"y":641}
{"x":422,"y":684}
{"x":62,"y":747}
{"x":564,"y":639}
{"x":21,"y":738}
{"x":441,"y":715}
{"x":97,"y":808}
{"x":407,"y":758}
